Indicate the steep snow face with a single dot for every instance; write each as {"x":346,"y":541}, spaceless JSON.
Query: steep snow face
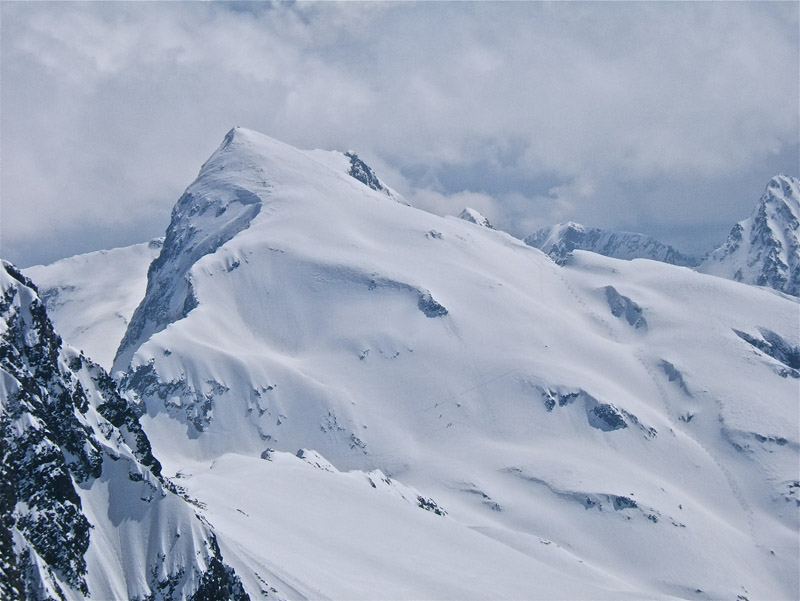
{"x":639,"y":417}
{"x":560,"y":240}
{"x":475,"y":217}
{"x":85,"y":510}
{"x":764,"y":249}
{"x":91,"y":297}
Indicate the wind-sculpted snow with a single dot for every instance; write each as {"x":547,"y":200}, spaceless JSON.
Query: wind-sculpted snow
{"x":85,"y":510}
{"x":764,"y":249}
{"x":596,"y":501}
{"x":447,"y":356}
{"x":377,"y":480}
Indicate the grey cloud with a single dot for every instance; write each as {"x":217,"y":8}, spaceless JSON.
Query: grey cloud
{"x":654,"y":116}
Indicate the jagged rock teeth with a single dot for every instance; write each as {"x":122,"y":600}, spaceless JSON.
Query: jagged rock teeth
{"x":764,"y":249}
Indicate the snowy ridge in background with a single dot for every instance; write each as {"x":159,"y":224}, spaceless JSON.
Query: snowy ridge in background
{"x":560,"y":240}
{"x":91,"y":297}
{"x":475,"y":217}
{"x":764,"y":249}
{"x":602,"y":420}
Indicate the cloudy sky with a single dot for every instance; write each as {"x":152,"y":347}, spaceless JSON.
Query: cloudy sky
{"x":665,"y":118}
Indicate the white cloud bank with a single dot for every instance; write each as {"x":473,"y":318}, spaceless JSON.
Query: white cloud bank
{"x":662,"y":117}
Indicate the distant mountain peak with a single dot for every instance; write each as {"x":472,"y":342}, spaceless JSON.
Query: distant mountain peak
{"x":764,"y":249}
{"x":560,"y":240}
{"x":363,"y":173}
{"x":784,"y":182}
{"x":475,"y":217}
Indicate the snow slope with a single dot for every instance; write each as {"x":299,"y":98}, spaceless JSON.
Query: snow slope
{"x":86,"y":512}
{"x":362,"y":535}
{"x":764,"y":249}
{"x":629,"y":425}
{"x":561,"y":239}
{"x":91,"y":297}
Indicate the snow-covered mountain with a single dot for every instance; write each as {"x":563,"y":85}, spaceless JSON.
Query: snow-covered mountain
{"x":86,"y":512}
{"x":475,"y":217}
{"x":605,"y":429}
{"x":91,"y":297}
{"x":560,"y":240}
{"x":764,"y":249}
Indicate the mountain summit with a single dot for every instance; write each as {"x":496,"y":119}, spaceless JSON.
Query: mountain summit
{"x":249,"y":173}
{"x":764,"y":249}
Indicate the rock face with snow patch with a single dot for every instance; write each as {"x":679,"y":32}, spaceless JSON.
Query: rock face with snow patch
{"x":624,"y":308}
{"x":560,"y":240}
{"x":364,"y":173}
{"x":784,"y":352}
{"x":764,"y":249}
{"x":77,"y":472}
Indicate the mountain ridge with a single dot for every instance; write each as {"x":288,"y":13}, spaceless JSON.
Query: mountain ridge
{"x":76,"y":466}
{"x":764,"y":249}
{"x":558,"y":241}
{"x":95,"y":292}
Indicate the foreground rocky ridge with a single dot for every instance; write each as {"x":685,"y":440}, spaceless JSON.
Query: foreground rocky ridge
{"x":76,"y":465}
